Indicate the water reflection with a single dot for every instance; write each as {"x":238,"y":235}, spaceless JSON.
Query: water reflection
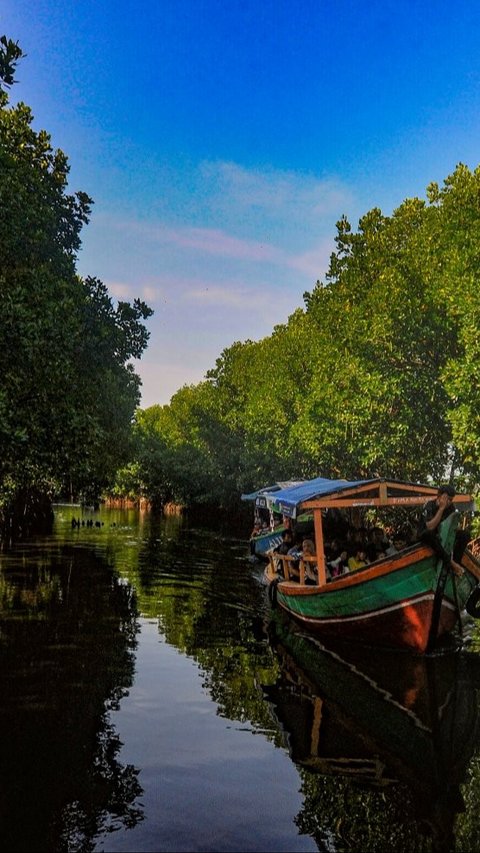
{"x":377,"y":722}
{"x":158,"y":633}
{"x":68,"y":634}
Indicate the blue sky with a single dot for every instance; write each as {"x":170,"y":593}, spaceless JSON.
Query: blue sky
{"x":221,"y":141}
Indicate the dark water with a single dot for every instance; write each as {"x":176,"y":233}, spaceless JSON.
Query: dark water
{"x":150,"y":701}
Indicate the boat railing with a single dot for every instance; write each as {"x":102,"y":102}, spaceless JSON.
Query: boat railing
{"x":283,"y":565}
{"x":290,"y":566}
{"x":312,"y":560}
{"x":474,"y":547}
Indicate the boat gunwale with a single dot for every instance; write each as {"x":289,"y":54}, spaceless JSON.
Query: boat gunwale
{"x":364,"y":574}
{"x":374,"y":613}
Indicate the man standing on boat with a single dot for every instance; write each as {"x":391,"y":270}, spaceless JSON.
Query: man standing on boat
{"x":433,"y":513}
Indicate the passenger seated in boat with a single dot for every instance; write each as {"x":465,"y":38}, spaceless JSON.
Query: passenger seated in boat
{"x":339,"y":565}
{"x":399,"y":542}
{"x":333,"y":549}
{"x":311,"y":573}
{"x":285,"y":544}
{"x":358,"y":560}
{"x":294,"y":551}
{"x":357,"y":536}
{"x":283,"y":548}
{"x":376,"y":544}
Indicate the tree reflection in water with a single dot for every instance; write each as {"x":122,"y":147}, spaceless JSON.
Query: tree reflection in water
{"x":67,"y":632}
{"x":387,"y":753}
{"x":359,"y":723}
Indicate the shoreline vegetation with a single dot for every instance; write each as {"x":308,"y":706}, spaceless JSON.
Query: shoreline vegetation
{"x":68,"y":392}
{"x":143,"y":504}
{"x":376,"y":375}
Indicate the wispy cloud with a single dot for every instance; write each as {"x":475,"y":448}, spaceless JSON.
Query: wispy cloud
{"x":119,"y":289}
{"x":217,"y":243}
{"x":313,"y":263}
{"x":232,"y":213}
{"x":122,"y":290}
{"x":242,"y":299}
{"x":281,"y":195}
{"x":212,"y":241}
{"x":226,"y":256}
{"x":183,"y":290}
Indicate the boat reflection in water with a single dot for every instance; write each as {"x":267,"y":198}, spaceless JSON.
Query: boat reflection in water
{"x":380,"y":720}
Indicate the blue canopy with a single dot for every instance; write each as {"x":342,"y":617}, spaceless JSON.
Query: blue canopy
{"x":288,"y":500}
{"x":276,"y":487}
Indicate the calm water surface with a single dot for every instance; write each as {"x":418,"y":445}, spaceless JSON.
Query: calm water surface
{"x":151,"y":701}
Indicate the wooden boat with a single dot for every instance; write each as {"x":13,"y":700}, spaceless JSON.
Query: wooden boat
{"x":265,"y":541}
{"x":379,"y":720}
{"x":274,"y":525}
{"x":408,"y":600}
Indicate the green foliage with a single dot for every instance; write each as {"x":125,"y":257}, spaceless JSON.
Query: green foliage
{"x":67,"y":390}
{"x":359,"y":818}
{"x":10,"y":53}
{"x":377,"y":375}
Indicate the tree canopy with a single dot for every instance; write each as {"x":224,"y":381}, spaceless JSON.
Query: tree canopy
{"x":378,"y":373}
{"x":68,"y":392}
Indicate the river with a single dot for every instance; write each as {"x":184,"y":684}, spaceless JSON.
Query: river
{"x":151,"y":701}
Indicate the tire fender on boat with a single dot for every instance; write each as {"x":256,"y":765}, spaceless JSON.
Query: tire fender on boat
{"x":472,"y":605}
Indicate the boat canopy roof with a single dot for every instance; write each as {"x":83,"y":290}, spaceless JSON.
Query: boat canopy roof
{"x":322,"y":493}
{"x":289,"y":499}
{"x":265,"y":490}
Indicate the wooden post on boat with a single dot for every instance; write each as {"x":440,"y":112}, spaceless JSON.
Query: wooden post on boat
{"x":437,"y":604}
{"x":319,"y":547}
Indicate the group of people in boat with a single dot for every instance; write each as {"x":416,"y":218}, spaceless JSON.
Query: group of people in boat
{"x":265,"y":520}
{"x":296,"y":548}
{"x":359,"y":548}
{"x":349,"y":548}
